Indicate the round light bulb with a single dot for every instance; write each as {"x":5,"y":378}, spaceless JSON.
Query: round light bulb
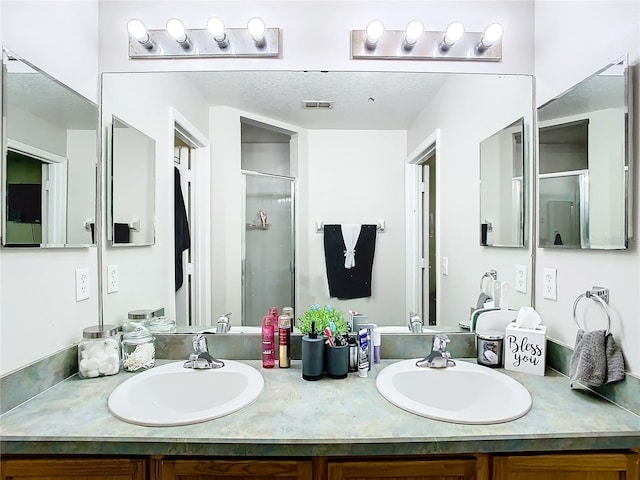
{"x":175,"y":28}
{"x":492,"y":34}
{"x":375,"y":30}
{"x":454,"y":32}
{"x":414,"y":31}
{"x":137,"y":30}
{"x":256,"y":28}
{"x":215,"y":26}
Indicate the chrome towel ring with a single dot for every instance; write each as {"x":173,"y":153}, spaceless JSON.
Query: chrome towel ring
{"x":597,"y":294}
{"x":491,"y":274}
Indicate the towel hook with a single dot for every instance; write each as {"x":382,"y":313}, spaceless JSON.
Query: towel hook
{"x":597,"y":294}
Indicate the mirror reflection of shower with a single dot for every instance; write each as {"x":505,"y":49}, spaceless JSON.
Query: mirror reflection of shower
{"x":268,"y":261}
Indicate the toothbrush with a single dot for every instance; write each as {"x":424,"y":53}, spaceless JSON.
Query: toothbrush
{"x":327,"y":332}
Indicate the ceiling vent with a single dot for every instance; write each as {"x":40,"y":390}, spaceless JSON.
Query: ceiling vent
{"x":317,"y":104}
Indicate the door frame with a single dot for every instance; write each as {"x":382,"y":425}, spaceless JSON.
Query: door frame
{"x":414,"y":224}
{"x":200,"y":228}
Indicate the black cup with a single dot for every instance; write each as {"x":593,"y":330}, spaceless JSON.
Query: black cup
{"x":337,"y":361}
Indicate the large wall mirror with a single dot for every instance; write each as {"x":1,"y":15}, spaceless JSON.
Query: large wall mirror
{"x":503,"y":181}
{"x":584,"y":155}
{"x":49,"y":160}
{"x":343,"y":140}
{"x":131,"y":189}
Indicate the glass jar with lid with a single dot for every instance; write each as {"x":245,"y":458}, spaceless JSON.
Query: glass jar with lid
{"x":99,"y":351}
{"x":138,"y":349}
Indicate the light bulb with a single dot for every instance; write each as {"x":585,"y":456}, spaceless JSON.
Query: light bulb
{"x":138,"y":31}
{"x":454,"y":32}
{"x":413,"y":32}
{"x":256,"y":30}
{"x":215,"y":26}
{"x":492,"y":34}
{"x":175,"y":28}
{"x":375,"y":30}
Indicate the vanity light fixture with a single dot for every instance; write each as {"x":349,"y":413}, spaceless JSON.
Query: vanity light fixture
{"x":138,"y":31}
{"x":374,"y":32}
{"x":491,"y":35}
{"x":175,"y":29}
{"x":215,"y":26}
{"x":414,"y":43}
{"x":452,"y":34}
{"x":413,"y":32}
{"x":214,"y":41}
{"x":255,"y":26}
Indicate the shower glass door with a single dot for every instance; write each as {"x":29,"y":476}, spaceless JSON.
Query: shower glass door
{"x":268,"y":245}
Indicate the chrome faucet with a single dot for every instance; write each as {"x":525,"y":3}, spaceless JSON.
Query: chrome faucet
{"x":201,"y":359}
{"x":223,"y":325}
{"x":439,"y":356}
{"x":415,"y":323}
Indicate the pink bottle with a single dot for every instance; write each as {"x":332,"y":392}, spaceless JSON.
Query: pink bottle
{"x":268,"y":347}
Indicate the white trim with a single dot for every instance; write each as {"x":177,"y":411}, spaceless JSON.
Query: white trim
{"x":413,"y":177}
{"x":202,"y":208}
{"x":40,"y":154}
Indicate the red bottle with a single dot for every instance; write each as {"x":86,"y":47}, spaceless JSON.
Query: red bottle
{"x":268,"y":348}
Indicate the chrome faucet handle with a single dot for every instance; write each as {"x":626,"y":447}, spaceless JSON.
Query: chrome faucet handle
{"x":199,"y":342}
{"x":415,"y":323}
{"x":439,"y":356}
{"x":201,"y":359}
{"x":440,"y":341}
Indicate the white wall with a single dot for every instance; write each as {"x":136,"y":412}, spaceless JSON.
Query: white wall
{"x":81,"y":152}
{"x":356,"y":177}
{"x":146,"y":274}
{"x":38,"y":286}
{"x":558,"y":66}
{"x":461,"y":131}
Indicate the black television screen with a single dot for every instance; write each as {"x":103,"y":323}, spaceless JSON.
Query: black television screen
{"x":24,"y":202}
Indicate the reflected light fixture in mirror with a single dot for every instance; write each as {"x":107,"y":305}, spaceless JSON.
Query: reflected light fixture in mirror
{"x":216,"y":40}
{"x":414,"y":43}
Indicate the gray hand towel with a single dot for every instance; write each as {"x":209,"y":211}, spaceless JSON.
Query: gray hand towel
{"x":596,"y":359}
{"x":482,"y":298}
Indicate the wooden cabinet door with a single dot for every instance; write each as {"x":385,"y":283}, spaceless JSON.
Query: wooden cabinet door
{"x":72,"y":469}
{"x":440,"y":469}
{"x":597,"y":466}
{"x":203,"y":469}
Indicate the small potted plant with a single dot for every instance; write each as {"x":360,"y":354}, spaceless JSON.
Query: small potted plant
{"x":323,"y":317}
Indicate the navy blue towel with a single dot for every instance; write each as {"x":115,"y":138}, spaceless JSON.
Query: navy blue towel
{"x":346,"y":283}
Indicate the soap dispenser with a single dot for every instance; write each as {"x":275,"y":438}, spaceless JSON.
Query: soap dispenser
{"x":312,"y":355}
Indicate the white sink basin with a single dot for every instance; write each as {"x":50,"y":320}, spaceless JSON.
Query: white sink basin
{"x":171,"y":395}
{"x":465,"y":393}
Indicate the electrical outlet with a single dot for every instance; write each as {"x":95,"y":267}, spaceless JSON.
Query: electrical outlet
{"x":521,"y":278}
{"x":82,"y":284}
{"x":112,"y":278}
{"x":549,"y":287}
{"x":445,"y":266}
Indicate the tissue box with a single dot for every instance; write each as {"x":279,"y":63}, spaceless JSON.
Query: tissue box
{"x":525,"y":349}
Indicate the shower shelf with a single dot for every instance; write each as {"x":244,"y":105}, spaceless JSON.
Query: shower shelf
{"x":254,"y":226}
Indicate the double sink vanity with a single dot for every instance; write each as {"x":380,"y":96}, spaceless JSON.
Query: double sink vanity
{"x":243,"y":421}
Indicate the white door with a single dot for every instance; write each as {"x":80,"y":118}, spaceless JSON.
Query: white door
{"x":185,"y":295}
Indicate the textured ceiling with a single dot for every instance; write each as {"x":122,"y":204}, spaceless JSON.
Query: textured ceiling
{"x":362,"y":100}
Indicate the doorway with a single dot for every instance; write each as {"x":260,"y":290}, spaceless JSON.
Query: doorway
{"x":191,"y":173}
{"x":423,"y":223}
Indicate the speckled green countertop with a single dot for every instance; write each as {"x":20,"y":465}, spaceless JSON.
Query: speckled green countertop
{"x":293,"y":417}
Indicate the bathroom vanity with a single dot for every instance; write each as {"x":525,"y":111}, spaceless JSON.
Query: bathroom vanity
{"x":329,"y":429}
